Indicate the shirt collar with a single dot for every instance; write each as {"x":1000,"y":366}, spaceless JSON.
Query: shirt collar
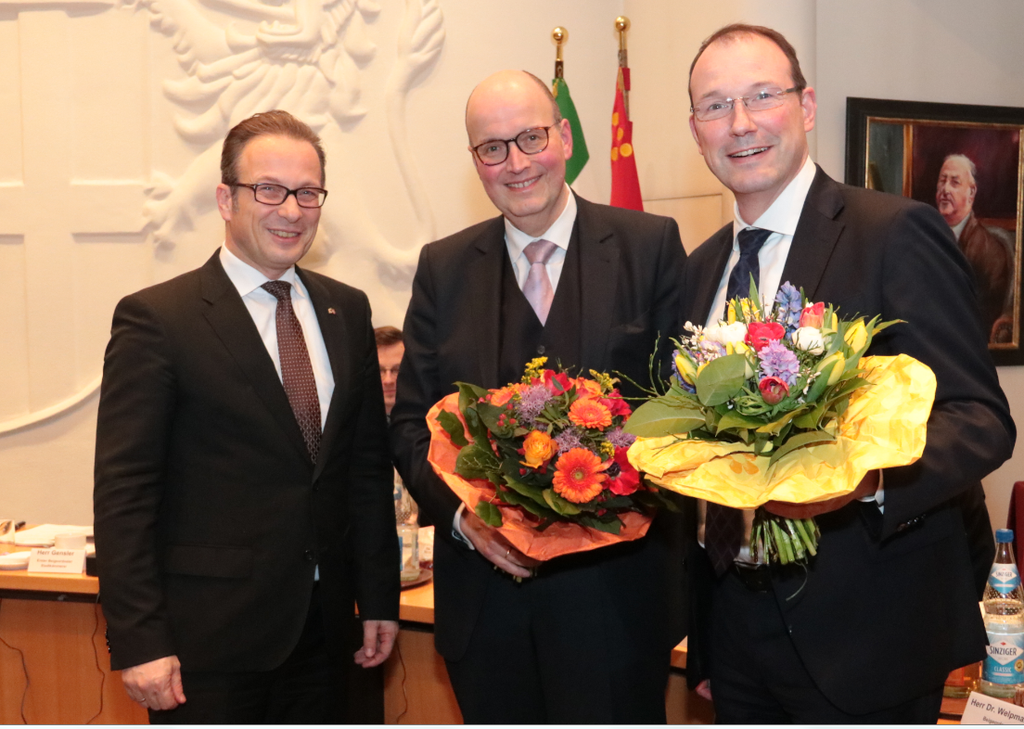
{"x":559,"y":233}
{"x":247,"y":279}
{"x":783,"y":214}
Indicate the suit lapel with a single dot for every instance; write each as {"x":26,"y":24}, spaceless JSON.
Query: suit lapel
{"x":233,"y":324}
{"x":599,"y":268}
{"x":483,"y":279}
{"x":336,"y":331}
{"x":707,"y":286}
{"x":816,"y":236}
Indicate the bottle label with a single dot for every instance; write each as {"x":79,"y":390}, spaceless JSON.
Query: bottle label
{"x":1004,"y":578}
{"x":1005,"y":661}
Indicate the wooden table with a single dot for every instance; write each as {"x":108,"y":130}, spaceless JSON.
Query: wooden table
{"x":52,"y":630}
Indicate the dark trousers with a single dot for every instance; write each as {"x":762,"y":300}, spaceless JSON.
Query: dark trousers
{"x":554,"y":650}
{"x":757,"y":676}
{"x":307,"y":688}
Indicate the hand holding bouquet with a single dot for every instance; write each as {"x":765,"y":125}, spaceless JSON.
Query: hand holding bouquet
{"x":778,"y":402}
{"x":545,"y":460}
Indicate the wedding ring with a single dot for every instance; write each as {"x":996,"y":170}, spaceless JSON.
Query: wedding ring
{"x":508,"y":552}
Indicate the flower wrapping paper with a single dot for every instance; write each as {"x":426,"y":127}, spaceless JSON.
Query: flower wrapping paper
{"x":519,"y":527}
{"x":885,"y":425}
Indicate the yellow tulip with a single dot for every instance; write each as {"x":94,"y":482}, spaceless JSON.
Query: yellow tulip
{"x":685,"y":368}
{"x":856,"y":335}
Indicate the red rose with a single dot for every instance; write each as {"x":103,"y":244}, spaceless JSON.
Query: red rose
{"x":551,"y":377}
{"x":628,"y":479}
{"x":773,"y":390}
{"x":760,"y":333}
{"x":813,"y":315}
{"x":616,"y":404}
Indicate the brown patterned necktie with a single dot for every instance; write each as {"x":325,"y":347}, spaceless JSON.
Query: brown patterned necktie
{"x":296,"y":369}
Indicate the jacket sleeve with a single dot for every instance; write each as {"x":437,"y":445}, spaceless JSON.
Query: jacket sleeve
{"x":136,"y":409}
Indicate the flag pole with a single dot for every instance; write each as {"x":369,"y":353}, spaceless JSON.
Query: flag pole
{"x":622,"y":26}
{"x":559,"y":35}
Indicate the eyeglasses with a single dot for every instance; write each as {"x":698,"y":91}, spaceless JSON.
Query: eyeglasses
{"x":767,"y":98}
{"x":271,"y":194}
{"x":529,"y":141}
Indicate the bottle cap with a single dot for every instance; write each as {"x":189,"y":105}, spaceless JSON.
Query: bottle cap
{"x":1004,"y":536}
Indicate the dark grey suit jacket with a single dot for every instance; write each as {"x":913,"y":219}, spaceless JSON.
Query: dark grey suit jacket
{"x":890,"y":603}
{"x":630,"y":270}
{"x":210,"y":515}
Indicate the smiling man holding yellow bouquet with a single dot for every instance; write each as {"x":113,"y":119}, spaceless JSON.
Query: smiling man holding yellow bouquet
{"x":869,"y":629}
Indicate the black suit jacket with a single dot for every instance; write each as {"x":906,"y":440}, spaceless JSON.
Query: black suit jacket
{"x":630,"y":270}
{"x":210,"y":516}
{"x":890,"y":604}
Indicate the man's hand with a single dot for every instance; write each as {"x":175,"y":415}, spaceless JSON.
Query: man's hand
{"x":378,"y":639}
{"x":155,"y":685}
{"x":704,"y":689}
{"x":494,"y":547}
{"x":867,"y":487}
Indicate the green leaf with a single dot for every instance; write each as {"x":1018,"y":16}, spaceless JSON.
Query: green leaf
{"x":453,"y":427}
{"x":801,"y":440}
{"x":532,"y":492}
{"x":778,"y":424}
{"x":469,"y":394}
{"x":517,"y":499}
{"x":734,"y":421}
{"x":664,"y":416}
{"x":489,"y":415}
{"x":721,"y":379}
{"x":477,"y":461}
{"x":490,"y":513}
{"x":594,"y":522}
{"x":560,"y":505}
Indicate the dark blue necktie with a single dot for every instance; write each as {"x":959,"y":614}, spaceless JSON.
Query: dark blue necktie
{"x":723,"y":527}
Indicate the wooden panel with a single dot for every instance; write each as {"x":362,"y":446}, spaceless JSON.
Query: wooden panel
{"x":68,"y":667}
{"x":416,"y":686}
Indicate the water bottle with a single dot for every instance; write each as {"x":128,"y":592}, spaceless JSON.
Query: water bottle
{"x":1003,"y":670}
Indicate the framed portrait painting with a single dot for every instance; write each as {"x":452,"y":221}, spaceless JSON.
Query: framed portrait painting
{"x":967,"y":161}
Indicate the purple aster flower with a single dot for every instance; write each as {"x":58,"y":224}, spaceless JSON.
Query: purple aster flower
{"x":790,"y":306}
{"x":777,"y":361}
{"x":531,"y":402}
{"x":620,"y":438}
{"x":568,"y":439}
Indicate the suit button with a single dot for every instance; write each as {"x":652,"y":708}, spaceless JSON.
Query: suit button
{"x":308,"y":554}
{"x":541,"y":349}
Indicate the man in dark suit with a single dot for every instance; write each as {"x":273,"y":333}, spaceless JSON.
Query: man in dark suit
{"x":242,"y":482}
{"x":587,"y":640}
{"x":868,"y":632}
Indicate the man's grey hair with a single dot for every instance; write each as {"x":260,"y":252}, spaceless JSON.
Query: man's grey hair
{"x":967,"y":161}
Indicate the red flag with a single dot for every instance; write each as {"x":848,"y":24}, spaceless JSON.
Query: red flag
{"x":625,"y":183}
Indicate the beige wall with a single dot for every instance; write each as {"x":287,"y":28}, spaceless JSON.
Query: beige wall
{"x":115,"y":112}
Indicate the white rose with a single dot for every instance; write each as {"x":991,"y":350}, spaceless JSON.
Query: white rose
{"x":722,"y":333}
{"x":809,"y":339}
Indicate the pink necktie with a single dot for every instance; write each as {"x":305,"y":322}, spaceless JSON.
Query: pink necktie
{"x":537,"y":288}
{"x":296,"y":369}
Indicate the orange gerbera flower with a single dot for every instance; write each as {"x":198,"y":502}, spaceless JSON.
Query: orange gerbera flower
{"x":579,"y":475}
{"x":588,"y":413}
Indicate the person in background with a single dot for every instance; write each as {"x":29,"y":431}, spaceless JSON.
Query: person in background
{"x":390,"y":350}
{"x":990,"y":256}
{"x":242,"y":480}
{"x":870,"y":629}
{"x":589,"y":638}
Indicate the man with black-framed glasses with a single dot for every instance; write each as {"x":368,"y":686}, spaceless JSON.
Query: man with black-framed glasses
{"x":243,"y":482}
{"x":588,"y":639}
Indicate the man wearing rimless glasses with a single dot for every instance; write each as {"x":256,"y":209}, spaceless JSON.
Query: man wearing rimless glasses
{"x":243,"y":482}
{"x":588,"y":639}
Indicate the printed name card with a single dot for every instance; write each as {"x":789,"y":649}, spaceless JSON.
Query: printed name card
{"x":982,"y":709}
{"x":53,"y":559}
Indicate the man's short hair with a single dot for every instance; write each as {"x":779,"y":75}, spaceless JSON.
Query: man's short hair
{"x":967,"y":161}
{"x":267,"y":123}
{"x":771,"y":34}
{"x":387,"y":336}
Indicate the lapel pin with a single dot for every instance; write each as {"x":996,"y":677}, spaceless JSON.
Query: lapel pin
{"x":330,"y":310}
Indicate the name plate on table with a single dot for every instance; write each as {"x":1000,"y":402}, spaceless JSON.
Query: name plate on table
{"x":53,"y":559}
{"x":982,"y":709}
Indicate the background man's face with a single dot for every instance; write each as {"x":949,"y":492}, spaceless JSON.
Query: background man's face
{"x":529,"y":190}
{"x":754,"y":154}
{"x":390,"y":358}
{"x":954,"y":194}
{"x":271,"y":238}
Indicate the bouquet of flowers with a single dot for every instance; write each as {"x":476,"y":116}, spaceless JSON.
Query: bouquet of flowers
{"x":545,"y":460}
{"x":778,"y":402}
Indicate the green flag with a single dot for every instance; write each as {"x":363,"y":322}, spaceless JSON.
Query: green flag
{"x":580,"y":155}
